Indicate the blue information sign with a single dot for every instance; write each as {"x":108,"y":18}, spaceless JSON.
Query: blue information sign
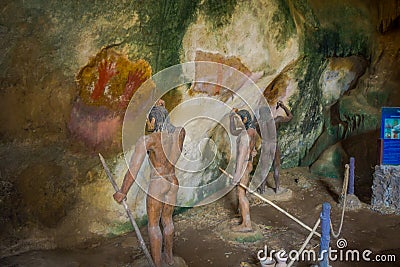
{"x":390,"y":134}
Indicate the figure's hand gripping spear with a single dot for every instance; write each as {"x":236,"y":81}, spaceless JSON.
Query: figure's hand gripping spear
{"x":128,"y":212}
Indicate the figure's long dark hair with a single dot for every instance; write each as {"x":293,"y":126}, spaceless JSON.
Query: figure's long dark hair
{"x":161,"y":116}
{"x":245,"y":114}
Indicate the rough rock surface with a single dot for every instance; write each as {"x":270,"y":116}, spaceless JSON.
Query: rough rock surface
{"x":386,"y":189}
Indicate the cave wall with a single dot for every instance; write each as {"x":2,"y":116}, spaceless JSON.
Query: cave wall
{"x":333,"y":62}
{"x":44,"y":45}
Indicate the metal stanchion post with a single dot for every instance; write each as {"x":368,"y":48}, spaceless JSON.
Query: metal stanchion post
{"x":325,"y":235}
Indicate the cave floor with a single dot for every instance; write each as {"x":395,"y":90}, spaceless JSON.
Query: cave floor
{"x":199,"y":244}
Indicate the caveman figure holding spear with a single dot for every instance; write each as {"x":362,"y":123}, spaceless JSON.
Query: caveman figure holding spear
{"x":164,"y":147}
{"x":246,"y":142}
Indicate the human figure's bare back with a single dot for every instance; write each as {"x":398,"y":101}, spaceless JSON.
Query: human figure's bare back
{"x":246,"y":143}
{"x":164,"y":150}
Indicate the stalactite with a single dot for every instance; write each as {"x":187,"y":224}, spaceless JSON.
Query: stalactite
{"x":388,"y":12}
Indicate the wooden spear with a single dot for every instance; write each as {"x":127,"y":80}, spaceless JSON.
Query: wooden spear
{"x":128,"y":212}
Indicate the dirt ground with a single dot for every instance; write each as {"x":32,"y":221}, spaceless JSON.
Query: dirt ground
{"x":199,"y":244}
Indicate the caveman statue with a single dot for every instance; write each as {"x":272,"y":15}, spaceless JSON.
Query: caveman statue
{"x":246,"y":141}
{"x":164,"y":147}
{"x":277,"y":158}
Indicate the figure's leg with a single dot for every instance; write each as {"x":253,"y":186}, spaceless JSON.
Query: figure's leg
{"x":261,"y":188}
{"x":154,"y":213}
{"x":168,"y":224}
{"x":277,"y":165}
{"x":154,"y":205}
{"x":267,"y":156}
{"x":244,"y":206}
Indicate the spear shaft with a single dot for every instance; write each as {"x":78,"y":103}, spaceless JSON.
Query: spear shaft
{"x":128,"y":212}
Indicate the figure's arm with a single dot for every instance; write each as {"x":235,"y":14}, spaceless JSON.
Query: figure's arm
{"x":232,"y":124}
{"x":242,"y":158}
{"x":134,"y":167}
{"x":160,"y":102}
{"x":289,"y":115}
{"x":257,"y":126}
{"x":182,"y":135}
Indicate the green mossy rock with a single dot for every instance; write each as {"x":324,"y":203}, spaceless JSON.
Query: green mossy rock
{"x":331,"y":162}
